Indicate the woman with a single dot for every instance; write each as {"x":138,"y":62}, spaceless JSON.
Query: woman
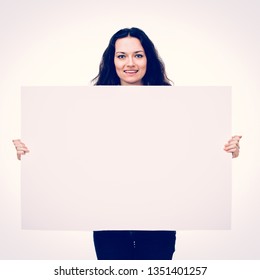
{"x":132,"y":60}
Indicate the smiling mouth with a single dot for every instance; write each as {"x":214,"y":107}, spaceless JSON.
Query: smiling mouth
{"x":131,"y":71}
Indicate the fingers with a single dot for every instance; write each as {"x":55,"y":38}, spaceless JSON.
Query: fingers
{"x":233,"y":146}
{"x":21,"y":149}
{"x":236,"y":137}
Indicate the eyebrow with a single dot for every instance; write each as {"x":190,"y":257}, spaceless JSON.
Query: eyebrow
{"x":125,"y":52}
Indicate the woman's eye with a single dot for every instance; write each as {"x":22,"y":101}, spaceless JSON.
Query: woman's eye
{"x":139,"y":56}
{"x":121,"y":56}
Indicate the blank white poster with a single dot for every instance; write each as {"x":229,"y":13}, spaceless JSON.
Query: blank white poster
{"x":126,"y":158}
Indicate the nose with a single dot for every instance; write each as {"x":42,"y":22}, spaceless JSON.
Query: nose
{"x":130,"y":61}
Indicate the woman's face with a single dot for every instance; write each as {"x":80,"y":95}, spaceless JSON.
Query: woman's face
{"x":130,"y":61}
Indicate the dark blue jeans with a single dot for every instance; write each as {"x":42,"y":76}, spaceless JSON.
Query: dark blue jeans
{"x":134,"y":245}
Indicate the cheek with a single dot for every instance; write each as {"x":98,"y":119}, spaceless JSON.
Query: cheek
{"x":118,"y":65}
{"x":145,"y":65}
{"x":115,"y":63}
{"x":118,"y":69}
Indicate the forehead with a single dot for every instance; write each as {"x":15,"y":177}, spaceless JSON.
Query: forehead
{"x":128,"y":44}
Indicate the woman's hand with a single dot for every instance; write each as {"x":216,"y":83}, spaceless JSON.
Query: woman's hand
{"x":232,"y":146}
{"x":21,"y":149}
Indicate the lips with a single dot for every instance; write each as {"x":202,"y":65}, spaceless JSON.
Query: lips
{"x":131,"y":71}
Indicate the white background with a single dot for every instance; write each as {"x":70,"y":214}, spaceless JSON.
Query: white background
{"x":202,"y":43}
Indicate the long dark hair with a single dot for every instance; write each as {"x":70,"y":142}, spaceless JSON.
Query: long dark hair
{"x":155,"y":71}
